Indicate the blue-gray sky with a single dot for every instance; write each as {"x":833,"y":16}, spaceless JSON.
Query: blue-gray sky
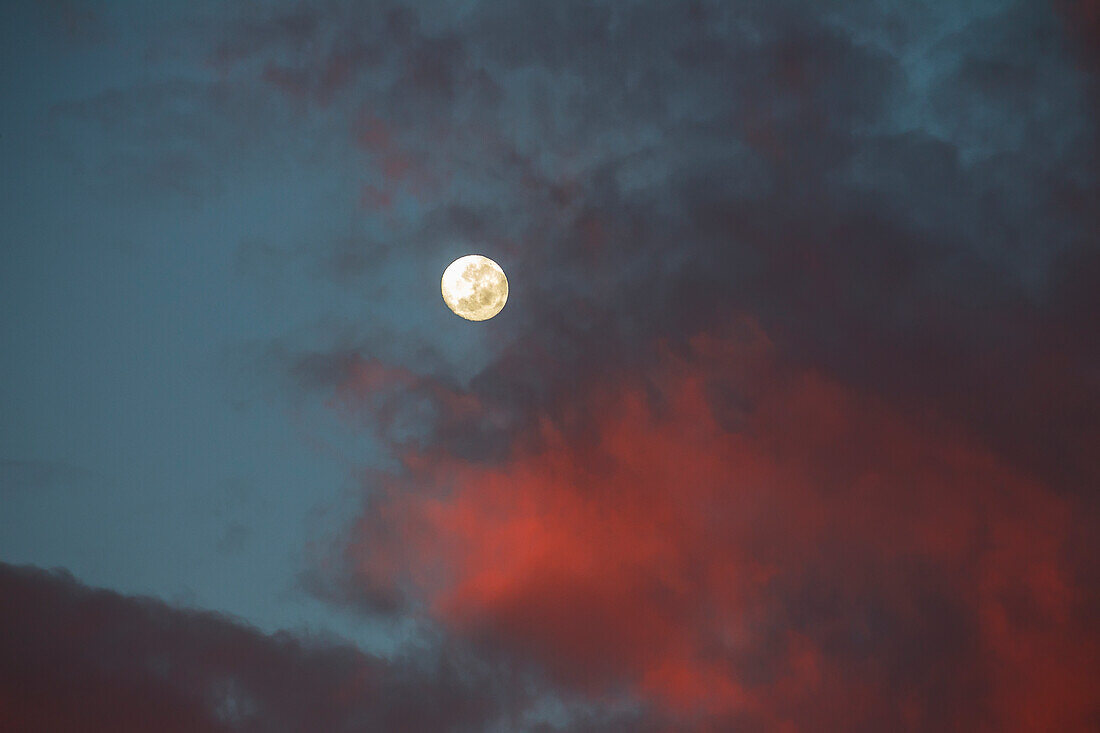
{"x":138,"y":450}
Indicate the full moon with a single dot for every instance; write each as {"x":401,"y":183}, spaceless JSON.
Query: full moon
{"x":475,"y":287}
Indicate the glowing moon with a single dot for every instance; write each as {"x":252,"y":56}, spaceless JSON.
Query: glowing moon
{"x":475,"y":287}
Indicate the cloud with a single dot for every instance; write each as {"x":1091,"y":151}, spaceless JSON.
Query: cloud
{"x":790,"y":423}
{"x":1083,"y":21}
{"x":740,"y":541}
{"x":73,"y":658}
{"x":879,"y":201}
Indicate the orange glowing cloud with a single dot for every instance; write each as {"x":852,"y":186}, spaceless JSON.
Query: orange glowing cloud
{"x":731,"y":540}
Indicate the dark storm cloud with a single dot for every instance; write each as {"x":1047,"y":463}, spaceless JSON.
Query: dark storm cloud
{"x":828,"y":263}
{"x":75,"y":658}
{"x":795,"y":102}
{"x":654,"y":165}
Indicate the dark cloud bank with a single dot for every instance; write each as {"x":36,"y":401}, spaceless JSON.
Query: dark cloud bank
{"x":795,"y":427}
{"x":76,"y":658}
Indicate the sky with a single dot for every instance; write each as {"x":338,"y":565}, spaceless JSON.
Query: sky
{"x":790,"y":422}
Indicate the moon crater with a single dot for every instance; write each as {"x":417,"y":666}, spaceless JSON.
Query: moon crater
{"x":475,"y":287}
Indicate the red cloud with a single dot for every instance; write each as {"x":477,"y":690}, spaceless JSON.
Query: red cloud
{"x":733,"y":540}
